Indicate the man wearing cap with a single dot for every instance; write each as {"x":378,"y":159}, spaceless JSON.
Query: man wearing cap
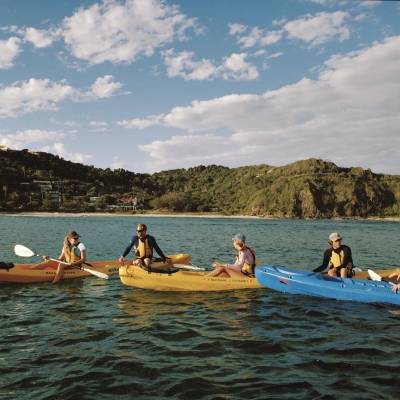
{"x":244,"y":263}
{"x":143,"y":245}
{"x":338,"y":258}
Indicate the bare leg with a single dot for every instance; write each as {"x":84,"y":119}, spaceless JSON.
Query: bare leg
{"x":217,"y":271}
{"x":59,"y":274}
{"x":235,"y":274}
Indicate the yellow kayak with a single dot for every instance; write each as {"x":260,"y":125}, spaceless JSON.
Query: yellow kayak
{"x":45,"y":271}
{"x":384,"y":273}
{"x":182,"y":280}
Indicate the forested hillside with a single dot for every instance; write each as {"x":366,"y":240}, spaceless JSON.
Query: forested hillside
{"x":37,"y":181}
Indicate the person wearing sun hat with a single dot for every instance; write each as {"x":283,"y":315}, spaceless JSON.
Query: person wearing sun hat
{"x":244,"y":263}
{"x":338,"y":258}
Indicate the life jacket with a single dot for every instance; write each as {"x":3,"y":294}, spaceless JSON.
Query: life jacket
{"x":143,"y":249}
{"x":248,"y":269}
{"x":75,"y":255}
{"x":337,"y":259}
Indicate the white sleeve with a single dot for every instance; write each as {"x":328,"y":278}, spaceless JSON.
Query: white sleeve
{"x":81,"y":247}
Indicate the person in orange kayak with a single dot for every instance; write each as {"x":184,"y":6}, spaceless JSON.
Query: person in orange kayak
{"x":338,"y":258}
{"x":244,"y":263}
{"x":73,"y":252}
{"x":143,"y":246}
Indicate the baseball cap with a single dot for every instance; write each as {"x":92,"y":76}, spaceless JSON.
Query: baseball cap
{"x":334,"y":236}
{"x":240,"y":237}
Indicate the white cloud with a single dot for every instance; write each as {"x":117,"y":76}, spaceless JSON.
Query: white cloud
{"x":105,"y":87}
{"x":9,"y":50}
{"x":274,"y":55}
{"x":237,"y":68}
{"x":32,"y":95}
{"x":192,"y":149}
{"x":23,"y":139}
{"x":45,"y":95}
{"x":328,"y":3}
{"x":139,"y":123}
{"x":120,"y":33}
{"x":41,"y":38}
{"x":349,"y":115}
{"x":259,"y":37}
{"x":313,"y":29}
{"x":182,"y":65}
{"x":60,"y":150}
{"x":319,"y":28}
{"x":36,"y":139}
{"x":235,"y":29}
{"x":370,"y":3}
{"x":99,"y":126}
{"x":233,"y":67}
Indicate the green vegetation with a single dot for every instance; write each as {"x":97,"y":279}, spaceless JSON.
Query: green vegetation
{"x":36,"y":181}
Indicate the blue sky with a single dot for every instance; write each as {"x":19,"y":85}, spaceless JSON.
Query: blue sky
{"x":150,"y":85}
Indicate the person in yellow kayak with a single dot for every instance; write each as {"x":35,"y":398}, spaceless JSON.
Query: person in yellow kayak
{"x":143,"y":246}
{"x":337,"y":258}
{"x":244,"y":264}
{"x":73,"y":252}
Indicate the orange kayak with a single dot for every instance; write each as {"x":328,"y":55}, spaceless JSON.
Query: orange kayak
{"x":46,"y":270}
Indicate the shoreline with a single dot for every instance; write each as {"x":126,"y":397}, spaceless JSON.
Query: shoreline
{"x":187,"y":215}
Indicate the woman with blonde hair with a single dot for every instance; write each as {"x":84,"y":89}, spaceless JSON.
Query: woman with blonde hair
{"x":73,"y":252}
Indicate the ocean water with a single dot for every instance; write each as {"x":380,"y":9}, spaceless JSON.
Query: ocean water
{"x":96,"y":339}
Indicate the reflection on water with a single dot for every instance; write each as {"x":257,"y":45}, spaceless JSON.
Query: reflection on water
{"x":96,"y":339}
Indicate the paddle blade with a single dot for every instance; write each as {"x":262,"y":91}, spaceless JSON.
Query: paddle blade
{"x":189,"y":267}
{"x":23,"y":251}
{"x":373,"y":275}
{"x":99,"y":274}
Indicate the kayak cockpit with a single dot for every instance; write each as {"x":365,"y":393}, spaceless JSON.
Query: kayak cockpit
{"x":6,"y":265}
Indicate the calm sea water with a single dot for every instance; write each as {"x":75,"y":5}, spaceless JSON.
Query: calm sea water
{"x":95,"y":339}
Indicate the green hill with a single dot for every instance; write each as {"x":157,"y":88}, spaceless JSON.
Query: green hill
{"x":37,"y":181}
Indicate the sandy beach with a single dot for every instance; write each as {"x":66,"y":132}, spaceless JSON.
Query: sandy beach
{"x":178,"y":215}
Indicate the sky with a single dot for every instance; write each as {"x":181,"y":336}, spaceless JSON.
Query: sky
{"x":152,"y":85}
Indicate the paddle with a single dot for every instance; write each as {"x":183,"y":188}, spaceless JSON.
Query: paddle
{"x":189,"y":267}
{"x":23,"y":251}
{"x":376,"y":277}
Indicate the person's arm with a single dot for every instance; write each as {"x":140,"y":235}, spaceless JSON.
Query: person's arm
{"x":157,"y":248}
{"x":239,"y":261}
{"x":128,"y":249}
{"x":82,"y":259}
{"x":325,"y":261}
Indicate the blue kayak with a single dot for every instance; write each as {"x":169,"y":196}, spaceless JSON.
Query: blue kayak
{"x":314,"y":284}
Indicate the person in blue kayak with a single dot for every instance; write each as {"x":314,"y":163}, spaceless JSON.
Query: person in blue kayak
{"x":337,"y":258}
{"x":396,"y":288}
{"x":73,"y":252}
{"x":244,"y":264}
{"x":143,"y":246}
